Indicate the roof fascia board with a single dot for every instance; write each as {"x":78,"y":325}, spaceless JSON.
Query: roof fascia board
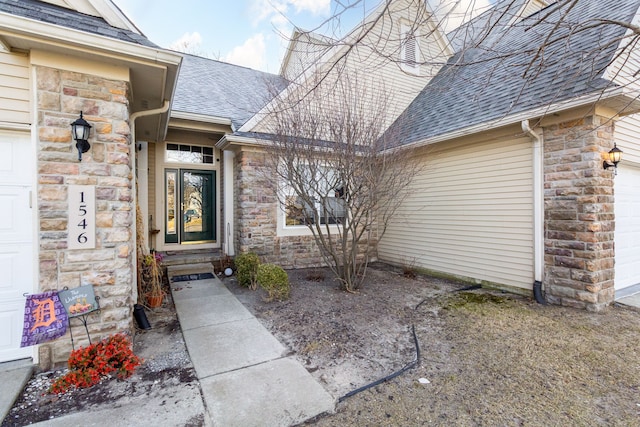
{"x":200,"y":118}
{"x":293,"y":41}
{"x":43,"y":32}
{"x":536,"y":112}
{"x":234,"y":140}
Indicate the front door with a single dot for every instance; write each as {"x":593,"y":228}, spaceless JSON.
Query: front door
{"x":190,"y":210}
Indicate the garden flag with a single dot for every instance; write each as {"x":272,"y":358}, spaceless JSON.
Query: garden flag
{"x":45,"y":319}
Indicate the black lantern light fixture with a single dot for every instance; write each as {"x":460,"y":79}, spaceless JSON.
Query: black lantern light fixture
{"x":80,"y":130}
{"x":613,"y":158}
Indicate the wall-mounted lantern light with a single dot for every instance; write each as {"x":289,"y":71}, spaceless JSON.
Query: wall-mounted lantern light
{"x":80,"y":130}
{"x":613,"y":158}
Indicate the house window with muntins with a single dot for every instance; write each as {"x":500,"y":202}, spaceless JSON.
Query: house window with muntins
{"x":323,"y":202}
{"x":182,"y":153}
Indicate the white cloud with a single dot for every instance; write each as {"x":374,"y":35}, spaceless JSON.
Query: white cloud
{"x":251,"y":54}
{"x":278,"y":10}
{"x":188,"y":43}
{"x":317,"y":7}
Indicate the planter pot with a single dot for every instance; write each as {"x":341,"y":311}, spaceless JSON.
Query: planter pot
{"x":154,"y":301}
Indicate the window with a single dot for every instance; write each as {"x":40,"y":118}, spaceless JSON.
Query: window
{"x":323,"y":201}
{"x":181,"y":153}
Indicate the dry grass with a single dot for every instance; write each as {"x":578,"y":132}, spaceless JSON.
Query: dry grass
{"x":501,"y":361}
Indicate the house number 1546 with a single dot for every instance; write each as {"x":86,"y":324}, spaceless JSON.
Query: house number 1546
{"x":82,"y":217}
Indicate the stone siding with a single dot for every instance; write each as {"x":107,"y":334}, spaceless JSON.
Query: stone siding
{"x":61,"y":95}
{"x":579,"y":214}
{"x":256,"y":219}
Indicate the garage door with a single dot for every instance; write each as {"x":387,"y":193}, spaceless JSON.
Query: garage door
{"x":16,"y":241}
{"x":627,"y":235}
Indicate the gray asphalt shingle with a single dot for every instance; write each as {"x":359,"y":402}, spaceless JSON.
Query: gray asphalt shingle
{"x":215,"y":88}
{"x":56,"y":15}
{"x":487,"y":81}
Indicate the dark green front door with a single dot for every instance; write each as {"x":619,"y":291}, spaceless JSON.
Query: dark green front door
{"x":190,"y":209}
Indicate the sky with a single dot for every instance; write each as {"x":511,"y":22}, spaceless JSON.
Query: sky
{"x":251,"y":33}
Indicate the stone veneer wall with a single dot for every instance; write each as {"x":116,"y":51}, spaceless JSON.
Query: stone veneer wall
{"x":256,"y":213}
{"x":579,"y":214}
{"x":61,"y":95}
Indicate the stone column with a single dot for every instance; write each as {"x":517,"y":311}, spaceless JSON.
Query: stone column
{"x":61,"y":95}
{"x":579,"y":214}
{"x":256,"y":221}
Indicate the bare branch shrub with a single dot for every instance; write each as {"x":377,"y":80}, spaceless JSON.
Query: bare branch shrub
{"x":332,"y":170}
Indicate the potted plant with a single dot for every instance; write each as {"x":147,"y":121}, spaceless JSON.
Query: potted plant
{"x":152,"y":279}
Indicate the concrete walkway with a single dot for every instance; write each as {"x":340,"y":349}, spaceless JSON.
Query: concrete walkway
{"x":245,"y":376}
{"x":13,"y":377}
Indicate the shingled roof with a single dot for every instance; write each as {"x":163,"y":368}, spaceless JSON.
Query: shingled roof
{"x":218,"y":89}
{"x":52,"y":14}
{"x":486,"y":81}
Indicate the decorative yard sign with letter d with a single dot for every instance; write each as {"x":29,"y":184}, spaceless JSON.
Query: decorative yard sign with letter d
{"x":82,"y":217}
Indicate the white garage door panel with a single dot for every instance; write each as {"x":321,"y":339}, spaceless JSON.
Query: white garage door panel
{"x":11,"y":317}
{"x":16,"y":241}
{"x":627,"y":235}
{"x":15,"y":215}
{"x":15,"y":266}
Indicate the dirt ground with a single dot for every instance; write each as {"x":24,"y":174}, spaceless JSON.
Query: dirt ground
{"x":165,"y":376}
{"x":486,"y":358}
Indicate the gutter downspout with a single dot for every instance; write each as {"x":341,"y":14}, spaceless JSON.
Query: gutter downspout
{"x":538,"y":211}
{"x":132,"y":126}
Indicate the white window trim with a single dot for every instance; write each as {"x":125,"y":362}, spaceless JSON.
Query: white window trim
{"x":284,"y":230}
{"x":193,"y":165}
{"x":294,"y":230}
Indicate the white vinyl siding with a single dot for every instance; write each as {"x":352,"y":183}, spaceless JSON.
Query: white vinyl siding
{"x":306,"y":49}
{"x":14,"y":88}
{"x":627,"y":134}
{"x":470,"y":214}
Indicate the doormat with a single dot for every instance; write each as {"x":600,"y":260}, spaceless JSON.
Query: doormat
{"x":187,"y":277}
